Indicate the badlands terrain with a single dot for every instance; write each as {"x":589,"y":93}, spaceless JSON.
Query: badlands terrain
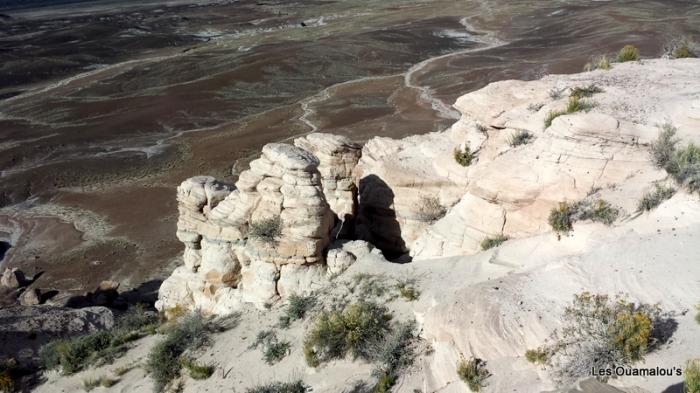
{"x":466,"y":302}
{"x":107,"y":106}
{"x":282,"y":169}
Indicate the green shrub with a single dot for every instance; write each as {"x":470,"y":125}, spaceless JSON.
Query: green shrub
{"x":683,"y":52}
{"x":430,"y":209}
{"x":197,"y":370}
{"x":601,"y":211}
{"x":407,"y":291}
{"x":369,"y":285}
{"x":397,"y":352}
{"x":653,"y":199}
{"x":551,"y":116}
{"x":190,"y":333}
{"x":680,"y":49}
{"x":560,"y":218}
{"x":600,"y":62}
{"x":7,"y":380}
{"x":575,"y":104}
{"x":685,"y":167}
{"x":474,"y":373}
{"x":74,"y":354}
{"x":697,"y":315}
{"x":266,"y":230}
{"x":491,"y":242}
{"x":385,"y":383}
{"x":520,"y":138}
{"x":599,"y":332}
{"x":628,"y":53}
{"x":297,"y":307}
{"x":138,"y":319}
{"x":357,"y":330}
{"x":664,"y":147}
{"x":7,"y":383}
{"x":273,"y":349}
{"x":586,"y":91}
{"x":555,"y":93}
{"x":279,"y":387}
{"x":104,"y":381}
{"x":537,"y":355}
{"x":464,"y":156}
{"x":691,"y":374}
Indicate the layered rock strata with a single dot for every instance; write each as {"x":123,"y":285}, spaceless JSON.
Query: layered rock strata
{"x":265,"y":237}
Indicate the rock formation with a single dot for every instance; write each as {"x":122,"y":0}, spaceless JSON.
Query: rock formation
{"x":267,"y":236}
{"x":510,"y":190}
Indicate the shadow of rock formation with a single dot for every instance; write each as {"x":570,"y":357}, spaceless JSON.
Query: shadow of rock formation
{"x":377,"y":222}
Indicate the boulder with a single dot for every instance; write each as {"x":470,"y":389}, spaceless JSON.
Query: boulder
{"x":13,"y":278}
{"x":30,"y":297}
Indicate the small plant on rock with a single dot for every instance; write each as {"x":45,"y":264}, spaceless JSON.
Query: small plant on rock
{"x":520,"y":138}
{"x":598,"y":63}
{"x":357,"y":330}
{"x":691,"y":372}
{"x":680,"y":48}
{"x":266,"y":230}
{"x":190,"y":333}
{"x":463,"y":155}
{"x":280,"y":387}
{"x":407,"y":290}
{"x":273,"y":349}
{"x":297,"y":307}
{"x":664,"y":147}
{"x":653,"y":199}
{"x":685,"y":167}
{"x":551,"y":115}
{"x":628,"y":53}
{"x":585,"y":91}
{"x":474,"y":373}
{"x":600,"y":211}
{"x":491,"y":242}
{"x":560,"y":218}
{"x":577,"y":104}
{"x":430,"y":209}
{"x":538,"y":355}
{"x":196,"y":369}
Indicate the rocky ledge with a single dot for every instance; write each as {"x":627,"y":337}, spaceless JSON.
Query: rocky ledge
{"x":559,"y":170}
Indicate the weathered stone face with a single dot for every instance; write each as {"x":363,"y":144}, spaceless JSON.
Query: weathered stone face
{"x":226,"y":260}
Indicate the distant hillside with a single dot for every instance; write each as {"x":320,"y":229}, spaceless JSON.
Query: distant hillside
{"x":18,"y":4}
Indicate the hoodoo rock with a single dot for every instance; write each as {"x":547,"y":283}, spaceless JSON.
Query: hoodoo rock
{"x":265,"y":237}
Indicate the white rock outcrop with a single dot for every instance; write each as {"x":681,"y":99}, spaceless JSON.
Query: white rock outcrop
{"x":265,"y":237}
{"x":510,"y":190}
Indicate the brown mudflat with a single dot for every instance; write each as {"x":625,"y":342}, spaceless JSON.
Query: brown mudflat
{"x":105,"y":109}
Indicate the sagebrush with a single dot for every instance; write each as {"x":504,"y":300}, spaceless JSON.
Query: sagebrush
{"x":474,"y":373}
{"x":628,"y":53}
{"x":280,"y":387}
{"x":357,"y":330}
{"x":603,"y":332}
{"x":652,"y":199}
{"x":190,"y":333}
{"x":491,"y":242}
{"x":73,"y":354}
{"x":267,"y":230}
{"x":464,"y":155}
{"x":691,"y":372}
